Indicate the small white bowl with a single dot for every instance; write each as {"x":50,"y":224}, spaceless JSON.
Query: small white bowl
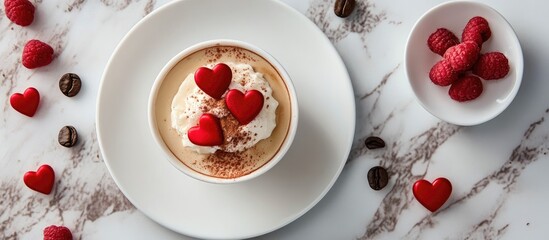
{"x":223,"y":42}
{"x":497,"y":94}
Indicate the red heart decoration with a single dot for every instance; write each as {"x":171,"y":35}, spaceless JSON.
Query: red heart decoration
{"x":244,"y":107}
{"x":41,"y":180}
{"x":208,"y":132}
{"x":215,"y":81}
{"x":26,"y":103}
{"x":432,"y":196}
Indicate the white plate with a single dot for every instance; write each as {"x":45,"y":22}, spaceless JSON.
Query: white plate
{"x":497,"y":94}
{"x":315,"y":160}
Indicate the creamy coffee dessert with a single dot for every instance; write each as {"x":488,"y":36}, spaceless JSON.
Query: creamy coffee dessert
{"x":223,"y":128}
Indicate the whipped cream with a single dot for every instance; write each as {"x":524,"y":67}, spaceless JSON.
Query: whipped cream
{"x":190,"y":102}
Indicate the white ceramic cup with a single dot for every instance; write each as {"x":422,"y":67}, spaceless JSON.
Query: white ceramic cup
{"x":230,"y":43}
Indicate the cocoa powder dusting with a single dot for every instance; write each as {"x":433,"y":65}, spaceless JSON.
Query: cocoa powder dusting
{"x":229,"y":165}
{"x":233,"y":130}
{"x":238,"y":54}
{"x":212,"y":103}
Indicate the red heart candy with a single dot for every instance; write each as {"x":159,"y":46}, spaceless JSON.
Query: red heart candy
{"x":26,"y":103}
{"x":215,"y":81}
{"x":244,"y":107}
{"x":208,"y":132}
{"x":41,"y":180}
{"x":432,"y":196}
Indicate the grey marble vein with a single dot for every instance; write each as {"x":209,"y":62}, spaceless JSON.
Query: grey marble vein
{"x":399,"y":159}
{"x":71,"y":192}
{"x":74,"y":5}
{"x":117,"y":4}
{"x":83,"y":185}
{"x":533,"y":147}
{"x":149,"y":7}
{"x":362,"y":21}
{"x":359,"y":148}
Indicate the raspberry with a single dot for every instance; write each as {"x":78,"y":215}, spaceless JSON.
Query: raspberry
{"x":57,"y":233}
{"x":492,"y":65}
{"x":36,"y":54}
{"x":441,"y":40}
{"x":442,"y":73}
{"x":20,"y":12}
{"x":472,"y":36}
{"x":462,"y":56}
{"x":477,"y":30}
{"x":466,"y":88}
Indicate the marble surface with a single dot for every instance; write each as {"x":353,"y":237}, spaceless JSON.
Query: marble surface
{"x":498,"y":169}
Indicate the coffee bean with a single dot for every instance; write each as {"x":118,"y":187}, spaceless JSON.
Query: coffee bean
{"x":378,"y":178}
{"x":374,"y":142}
{"x":67,"y":136}
{"x":344,"y":8}
{"x":70,"y":84}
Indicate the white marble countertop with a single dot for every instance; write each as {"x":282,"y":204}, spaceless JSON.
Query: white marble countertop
{"x":498,"y":169}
